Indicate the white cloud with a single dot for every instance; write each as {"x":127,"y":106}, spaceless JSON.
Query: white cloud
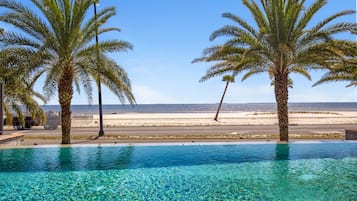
{"x":328,"y":93}
{"x":250,"y":94}
{"x":265,"y":93}
{"x":355,"y":92}
{"x":146,"y":95}
{"x":142,"y":70}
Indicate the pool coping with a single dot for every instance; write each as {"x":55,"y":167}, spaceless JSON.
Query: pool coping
{"x":12,"y":139}
{"x":177,"y":144}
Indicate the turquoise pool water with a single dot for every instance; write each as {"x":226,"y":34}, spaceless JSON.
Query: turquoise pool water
{"x":295,"y":171}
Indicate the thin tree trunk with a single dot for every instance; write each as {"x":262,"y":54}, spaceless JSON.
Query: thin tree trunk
{"x":65,"y":94}
{"x":281,"y":96}
{"x":220,"y":103}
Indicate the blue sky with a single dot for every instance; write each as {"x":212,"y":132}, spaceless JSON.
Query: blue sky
{"x":168,"y":35}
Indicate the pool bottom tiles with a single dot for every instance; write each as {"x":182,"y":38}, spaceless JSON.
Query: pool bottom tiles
{"x":301,"y":179}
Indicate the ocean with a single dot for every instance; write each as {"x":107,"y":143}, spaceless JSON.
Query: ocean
{"x":203,"y":108}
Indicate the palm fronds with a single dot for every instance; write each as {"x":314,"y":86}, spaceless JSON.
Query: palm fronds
{"x":283,"y":44}
{"x":61,"y":37}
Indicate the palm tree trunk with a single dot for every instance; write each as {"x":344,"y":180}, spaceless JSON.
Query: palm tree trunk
{"x":281,"y":96}
{"x":220,"y":103}
{"x":65,"y":94}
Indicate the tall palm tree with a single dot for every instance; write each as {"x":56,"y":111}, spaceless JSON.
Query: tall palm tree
{"x":228,"y":79}
{"x":63,"y":41}
{"x":284,"y":42}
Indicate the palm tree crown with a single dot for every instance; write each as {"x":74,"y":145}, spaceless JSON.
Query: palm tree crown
{"x":345,"y":71}
{"x":282,"y":44}
{"x":63,"y":41}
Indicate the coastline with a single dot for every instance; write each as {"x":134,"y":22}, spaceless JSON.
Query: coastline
{"x":198,"y":127}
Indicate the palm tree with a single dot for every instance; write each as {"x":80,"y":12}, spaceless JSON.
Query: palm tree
{"x":18,"y":87}
{"x":63,"y":41}
{"x":227,"y":79}
{"x":283,"y":43}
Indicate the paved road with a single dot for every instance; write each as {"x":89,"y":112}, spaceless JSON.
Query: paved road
{"x":197,"y":130}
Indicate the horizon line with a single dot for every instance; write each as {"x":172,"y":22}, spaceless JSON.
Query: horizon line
{"x":199,"y":103}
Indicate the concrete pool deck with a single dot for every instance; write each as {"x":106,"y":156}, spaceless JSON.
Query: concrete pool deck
{"x":11,"y":139}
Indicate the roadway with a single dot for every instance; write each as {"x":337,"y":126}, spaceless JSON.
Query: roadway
{"x":196,"y":130}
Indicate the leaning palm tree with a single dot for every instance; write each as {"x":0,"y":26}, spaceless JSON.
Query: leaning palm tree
{"x":63,"y":41}
{"x":283,"y":43}
{"x":228,"y":79}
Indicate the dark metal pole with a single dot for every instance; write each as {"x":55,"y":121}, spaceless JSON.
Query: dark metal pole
{"x":101,"y":131}
{"x":1,"y":107}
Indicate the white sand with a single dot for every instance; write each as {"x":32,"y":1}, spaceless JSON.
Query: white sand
{"x":206,"y":119}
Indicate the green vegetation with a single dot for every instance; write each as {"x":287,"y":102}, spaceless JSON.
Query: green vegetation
{"x":284,"y":42}
{"x":18,"y":87}
{"x":59,"y":44}
{"x":54,"y":39}
{"x":345,"y":72}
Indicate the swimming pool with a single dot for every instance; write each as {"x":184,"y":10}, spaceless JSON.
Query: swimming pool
{"x":253,"y":171}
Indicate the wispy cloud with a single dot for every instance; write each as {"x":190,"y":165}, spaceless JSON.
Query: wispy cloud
{"x":142,"y":70}
{"x":146,"y":95}
{"x":317,"y":94}
{"x":265,"y":93}
{"x":251,"y":94}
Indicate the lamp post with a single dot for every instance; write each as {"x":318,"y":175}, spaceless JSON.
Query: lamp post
{"x":1,"y":106}
{"x":101,"y":131}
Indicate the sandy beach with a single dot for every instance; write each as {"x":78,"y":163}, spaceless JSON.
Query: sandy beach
{"x":206,"y":119}
{"x":196,"y":127}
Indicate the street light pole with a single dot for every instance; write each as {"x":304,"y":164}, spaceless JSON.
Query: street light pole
{"x":101,"y":131}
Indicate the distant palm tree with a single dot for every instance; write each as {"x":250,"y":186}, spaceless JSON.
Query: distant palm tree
{"x":63,"y":42}
{"x":228,"y":79}
{"x":284,"y":42}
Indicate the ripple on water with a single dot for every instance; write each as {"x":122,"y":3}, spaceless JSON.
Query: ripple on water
{"x":305,"y":179}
